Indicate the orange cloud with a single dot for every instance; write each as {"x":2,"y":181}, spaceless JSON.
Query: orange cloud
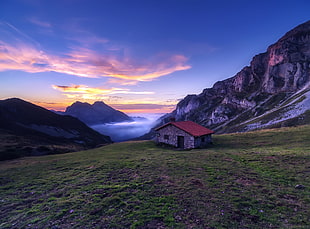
{"x":61,"y":106}
{"x":124,"y":107}
{"x":85,"y":92}
{"x":24,"y":54}
{"x":88,"y":94}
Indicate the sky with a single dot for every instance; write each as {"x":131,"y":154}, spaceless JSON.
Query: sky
{"x":139,"y":56}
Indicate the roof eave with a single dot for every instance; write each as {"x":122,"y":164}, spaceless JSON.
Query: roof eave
{"x":202,"y":135}
{"x":172,"y":123}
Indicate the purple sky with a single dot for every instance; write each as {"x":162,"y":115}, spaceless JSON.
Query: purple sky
{"x":138,"y":56}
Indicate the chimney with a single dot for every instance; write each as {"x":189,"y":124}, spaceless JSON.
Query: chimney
{"x":172,"y":119}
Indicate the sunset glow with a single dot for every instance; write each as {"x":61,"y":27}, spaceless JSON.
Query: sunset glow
{"x":137,"y":56}
{"x":83,"y":89}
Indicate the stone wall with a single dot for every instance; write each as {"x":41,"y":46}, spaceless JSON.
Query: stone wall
{"x":169,"y":135}
{"x":173,"y":133}
{"x":203,"y":141}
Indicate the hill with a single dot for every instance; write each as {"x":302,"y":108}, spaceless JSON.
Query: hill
{"x":27,"y":129}
{"x":97,"y":113}
{"x":249,"y":180}
{"x":273,"y":91}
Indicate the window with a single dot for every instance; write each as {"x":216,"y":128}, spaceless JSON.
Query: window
{"x":166,"y":137}
{"x":203,"y":139}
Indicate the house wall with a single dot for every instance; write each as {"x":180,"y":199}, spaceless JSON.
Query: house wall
{"x":173,"y":133}
{"x":203,"y":141}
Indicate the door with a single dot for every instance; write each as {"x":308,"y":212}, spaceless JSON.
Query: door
{"x":181,"y":142}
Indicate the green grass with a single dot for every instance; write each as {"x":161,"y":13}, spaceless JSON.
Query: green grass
{"x":243,"y":181}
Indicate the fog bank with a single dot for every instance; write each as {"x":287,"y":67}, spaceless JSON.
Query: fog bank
{"x":122,"y":131}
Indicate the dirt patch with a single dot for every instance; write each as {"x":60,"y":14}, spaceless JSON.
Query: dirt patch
{"x":197,"y":183}
{"x":246,"y":181}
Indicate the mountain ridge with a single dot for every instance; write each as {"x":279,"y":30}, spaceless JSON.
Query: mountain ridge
{"x":97,"y":113}
{"x":272,"y":77}
{"x":28,"y":129}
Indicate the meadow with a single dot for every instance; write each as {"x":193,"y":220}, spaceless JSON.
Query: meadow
{"x":246,"y":180}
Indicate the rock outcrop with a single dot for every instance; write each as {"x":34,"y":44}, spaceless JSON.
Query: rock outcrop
{"x":272,"y":80}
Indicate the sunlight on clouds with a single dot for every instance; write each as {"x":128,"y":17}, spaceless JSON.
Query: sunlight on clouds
{"x":124,"y":105}
{"x":22,"y":54}
{"x":83,"y":89}
{"x":88,"y":94}
{"x":92,"y":57}
{"x":85,"y":92}
{"x":160,"y":71}
{"x":121,"y":81}
{"x":58,"y":106}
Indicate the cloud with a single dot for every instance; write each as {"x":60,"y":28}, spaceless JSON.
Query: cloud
{"x":144,"y":107}
{"x":85,"y":92}
{"x":121,"y":81}
{"x":149,"y":72}
{"x":58,"y":106}
{"x":18,"y":53}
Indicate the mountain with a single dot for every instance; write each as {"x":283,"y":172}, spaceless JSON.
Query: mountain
{"x":31,"y":130}
{"x":273,"y":91}
{"x":98,"y":113}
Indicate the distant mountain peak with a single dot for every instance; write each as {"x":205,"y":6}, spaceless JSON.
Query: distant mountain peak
{"x":99,"y":103}
{"x":78,"y":103}
{"x":97,"y":113}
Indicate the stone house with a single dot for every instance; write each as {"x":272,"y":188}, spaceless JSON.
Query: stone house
{"x":184,"y":135}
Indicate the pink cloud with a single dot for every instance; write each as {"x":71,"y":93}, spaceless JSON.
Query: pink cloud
{"x":25,"y":55}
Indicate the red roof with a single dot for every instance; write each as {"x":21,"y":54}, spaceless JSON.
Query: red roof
{"x":190,"y":127}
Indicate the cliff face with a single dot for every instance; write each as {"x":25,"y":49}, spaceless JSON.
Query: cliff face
{"x":271,"y":80}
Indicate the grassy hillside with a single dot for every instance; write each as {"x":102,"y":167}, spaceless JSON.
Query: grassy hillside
{"x":243,"y":181}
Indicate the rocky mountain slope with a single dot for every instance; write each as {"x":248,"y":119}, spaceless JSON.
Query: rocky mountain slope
{"x":273,"y":91}
{"x":27,"y":129}
{"x":97,"y":113}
